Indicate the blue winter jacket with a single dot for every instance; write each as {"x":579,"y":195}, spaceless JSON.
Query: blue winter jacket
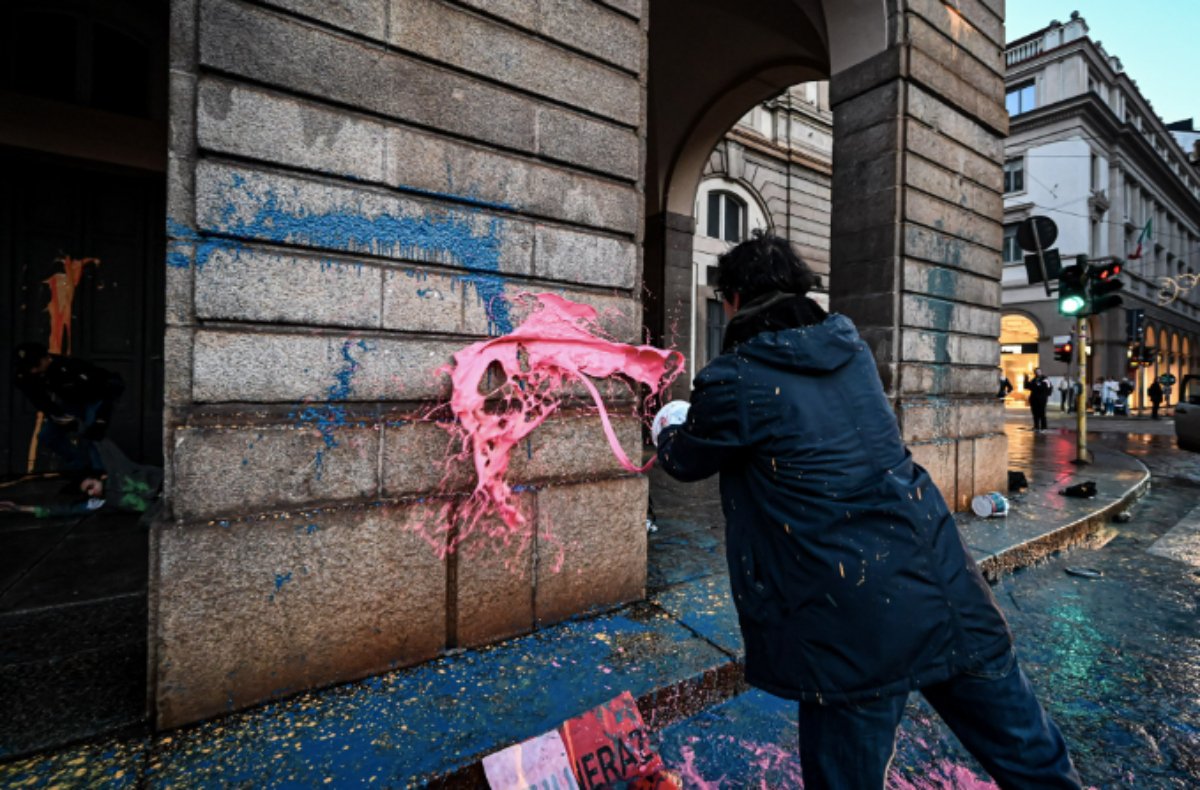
{"x":849,"y":576}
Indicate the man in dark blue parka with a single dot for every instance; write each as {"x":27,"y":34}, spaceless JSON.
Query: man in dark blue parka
{"x":851,"y":582}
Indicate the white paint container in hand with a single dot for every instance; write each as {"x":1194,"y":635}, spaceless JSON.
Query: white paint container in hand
{"x":990,"y":505}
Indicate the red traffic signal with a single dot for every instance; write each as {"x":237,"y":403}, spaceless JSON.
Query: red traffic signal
{"x":1062,"y":351}
{"x":1103,"y":283}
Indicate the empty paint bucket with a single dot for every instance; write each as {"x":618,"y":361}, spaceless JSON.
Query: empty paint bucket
{"x":990,"y":505}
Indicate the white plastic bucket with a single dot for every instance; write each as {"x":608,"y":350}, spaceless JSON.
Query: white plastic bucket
{"x":990,"y":505}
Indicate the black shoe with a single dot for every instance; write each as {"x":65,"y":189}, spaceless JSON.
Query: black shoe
{"x":1084,"y":490}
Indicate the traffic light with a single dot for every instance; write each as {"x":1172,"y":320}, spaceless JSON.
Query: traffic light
{"x":1072,"y":291}
{"x":1063,"y":351}
{"x":1135,"y":326}
{"x":1103,"y":282}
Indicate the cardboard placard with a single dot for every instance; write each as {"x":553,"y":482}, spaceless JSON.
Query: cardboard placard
{"x":536,"y":764}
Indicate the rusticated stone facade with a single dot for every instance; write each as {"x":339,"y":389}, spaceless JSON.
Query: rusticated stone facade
{"x":358,"y":189}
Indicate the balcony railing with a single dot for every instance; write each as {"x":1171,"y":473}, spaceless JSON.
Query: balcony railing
{"x":1025,"y":51}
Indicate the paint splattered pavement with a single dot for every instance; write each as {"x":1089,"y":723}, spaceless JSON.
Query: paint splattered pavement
{"x":1116,"y":660}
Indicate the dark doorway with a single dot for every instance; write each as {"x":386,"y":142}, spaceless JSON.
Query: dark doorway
{"x":82,"y":215}
{"x":105,"y":224}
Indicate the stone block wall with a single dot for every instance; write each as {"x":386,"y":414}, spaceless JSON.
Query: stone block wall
{"x":917,"y":263}
{"x":357,"y":190}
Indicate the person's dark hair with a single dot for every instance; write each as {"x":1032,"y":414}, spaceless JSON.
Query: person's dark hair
{"x":26,"y":356}
{"x":760,"y":265}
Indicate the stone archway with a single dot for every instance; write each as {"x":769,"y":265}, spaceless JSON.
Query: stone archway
{"x":917,"y":90}
{"x":1020,"y":334}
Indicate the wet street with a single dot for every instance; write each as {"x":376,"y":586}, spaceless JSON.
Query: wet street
{"x":1117,"y":658}
{"x":1108,"y":634}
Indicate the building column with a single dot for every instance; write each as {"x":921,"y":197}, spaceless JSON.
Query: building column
{"x":916,"y":233}
{"x":668,"y":271}
{"x":1116,"y":208}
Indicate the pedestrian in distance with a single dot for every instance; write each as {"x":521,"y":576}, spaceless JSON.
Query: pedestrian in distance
{"x":1005,"y":387}
{"x":1064,"y":394}
{"x":1155,"y":391}
{"x":851,"y":582}
{"x":76,"y":399}
{"x":1108,"y":392}
{"x":1040,"y":389}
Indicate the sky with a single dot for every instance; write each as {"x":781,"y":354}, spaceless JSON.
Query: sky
{"x":1155,"y":40}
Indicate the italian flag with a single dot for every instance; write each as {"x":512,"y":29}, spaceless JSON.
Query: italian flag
{"x":1145,"y":236}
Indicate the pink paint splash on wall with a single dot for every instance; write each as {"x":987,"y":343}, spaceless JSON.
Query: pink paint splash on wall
{"x":557,"y":346}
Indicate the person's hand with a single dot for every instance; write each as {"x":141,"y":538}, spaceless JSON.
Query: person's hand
{"x":674,"y":413}
{"x":92,"y":486}
{"x":96,"y":431}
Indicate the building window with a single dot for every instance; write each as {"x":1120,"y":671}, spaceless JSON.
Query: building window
{"x":1020,"y":99}
{"x":1014,"y":175}
{"x":726,"y":217}
{"x":715,"y":328}
{"x":1012,"y":250}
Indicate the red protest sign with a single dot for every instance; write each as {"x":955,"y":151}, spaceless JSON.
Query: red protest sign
{"x":608,"y":747}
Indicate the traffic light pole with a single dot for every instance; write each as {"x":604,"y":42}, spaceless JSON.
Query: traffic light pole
{"x":1081,"y":449}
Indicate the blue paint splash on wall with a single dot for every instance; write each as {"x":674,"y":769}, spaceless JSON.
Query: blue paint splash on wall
{"x":180,"y":236}
{"x":330,"y":416}
{"x":282,"y":579}
{"x":448,"y":236}
{"x":942,"y":283}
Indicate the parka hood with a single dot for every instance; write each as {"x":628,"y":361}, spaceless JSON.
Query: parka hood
{"x":826,"y":346}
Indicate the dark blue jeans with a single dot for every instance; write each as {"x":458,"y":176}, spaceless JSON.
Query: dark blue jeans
{"x":992,"y":710}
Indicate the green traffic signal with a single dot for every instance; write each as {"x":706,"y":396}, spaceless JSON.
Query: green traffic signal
{"x":1071,"y":305}
{"x":1072,"y":291}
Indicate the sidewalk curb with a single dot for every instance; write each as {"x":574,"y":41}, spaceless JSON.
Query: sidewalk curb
{"x":667,"y":705}
{"x":1072,"y":534}
{"x":660,"y":708}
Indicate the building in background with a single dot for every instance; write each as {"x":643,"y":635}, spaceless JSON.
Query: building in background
{"x":1087,"y":149}
{"x":772,"y":171}
{"x":1188,"y":137}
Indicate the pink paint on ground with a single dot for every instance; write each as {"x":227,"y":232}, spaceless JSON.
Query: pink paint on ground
{"x":691,"y":777}
{"x":942,"y":775}
{"x":556,"y":346}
